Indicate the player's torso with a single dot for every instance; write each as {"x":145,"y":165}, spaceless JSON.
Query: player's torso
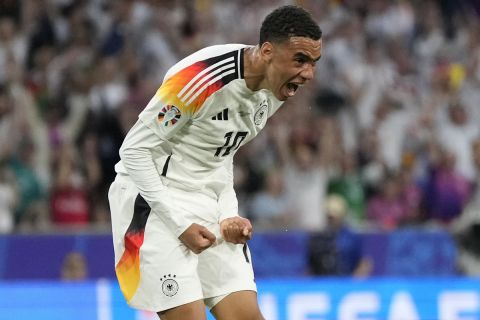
{"x":230,"y":118}
{"x":206,"y":97}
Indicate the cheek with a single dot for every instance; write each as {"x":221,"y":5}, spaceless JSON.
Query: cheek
{"x":281,"y":72}
{"x":284,"y":73}
{"x":276,"y":73}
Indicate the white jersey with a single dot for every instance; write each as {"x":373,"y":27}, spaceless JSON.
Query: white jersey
{"x":189,"y":132}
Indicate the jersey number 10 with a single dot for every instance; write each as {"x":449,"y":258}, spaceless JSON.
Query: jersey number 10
{"x":229,"y":144}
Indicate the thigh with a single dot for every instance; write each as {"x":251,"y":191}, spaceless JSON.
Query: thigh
{"x":240,"y":305}
{"x":223,"y":269}
{"x":190,"y":311}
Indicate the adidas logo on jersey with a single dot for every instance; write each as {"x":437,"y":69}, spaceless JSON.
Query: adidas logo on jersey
{"x":223,"y":115}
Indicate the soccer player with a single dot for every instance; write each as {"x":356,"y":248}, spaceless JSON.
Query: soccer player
{"x":179,"y":241}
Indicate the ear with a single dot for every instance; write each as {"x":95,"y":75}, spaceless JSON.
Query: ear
{"x":266,"y":51}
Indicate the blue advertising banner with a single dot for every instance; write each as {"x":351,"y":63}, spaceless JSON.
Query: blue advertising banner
{"x":379,"y":299}
{"x":404,"y":253}
{"x":305,"y":299}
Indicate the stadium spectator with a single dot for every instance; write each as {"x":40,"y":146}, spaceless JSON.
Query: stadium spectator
{"x":13,"y":46}
{"x":411,"y":193}
{"x":269,"y":206}
{"x":446,"y":190}
{"x":386,"y":209}
{"x":456,"y":129}
{"x":348,"y":184}
{"x":338,"y":251}
{"x":306,"y":188}
{"x":69,"y":200}
{"x":74,"y":267}
{"x":31,"y":213}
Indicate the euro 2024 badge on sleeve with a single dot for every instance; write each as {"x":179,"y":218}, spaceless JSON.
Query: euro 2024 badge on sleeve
{"x":169,"y":115}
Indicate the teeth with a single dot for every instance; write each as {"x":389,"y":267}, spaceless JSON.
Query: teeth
{"x":292,"y":86}
{"x":291,"y":89}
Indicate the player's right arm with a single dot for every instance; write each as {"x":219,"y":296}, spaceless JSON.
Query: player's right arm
{"x":163,"y":117}
{"x":136,"y":155}
{"x":183,"y":92}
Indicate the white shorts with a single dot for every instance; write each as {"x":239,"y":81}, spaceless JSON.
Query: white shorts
{"x":155,"y":270}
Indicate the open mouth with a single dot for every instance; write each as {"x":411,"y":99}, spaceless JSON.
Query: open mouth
{"x":292,"y":88}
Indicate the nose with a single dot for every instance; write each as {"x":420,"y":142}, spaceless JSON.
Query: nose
{"x":308,"y":72}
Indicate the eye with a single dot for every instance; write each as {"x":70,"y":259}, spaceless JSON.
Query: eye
{"x":300,"y":60}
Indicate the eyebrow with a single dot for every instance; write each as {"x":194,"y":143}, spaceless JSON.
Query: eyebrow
{"x":304,"y":56}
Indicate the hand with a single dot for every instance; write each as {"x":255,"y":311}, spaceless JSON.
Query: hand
{"x":197,"y":238}
{"x":236,"y":230}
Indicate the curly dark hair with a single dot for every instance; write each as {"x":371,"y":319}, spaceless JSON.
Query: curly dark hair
{"x":288,"y":21}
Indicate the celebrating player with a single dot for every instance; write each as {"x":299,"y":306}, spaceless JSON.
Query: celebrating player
{"x":179,"y":241}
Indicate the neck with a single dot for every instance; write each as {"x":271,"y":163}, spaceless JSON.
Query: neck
{"x":254,"y":69}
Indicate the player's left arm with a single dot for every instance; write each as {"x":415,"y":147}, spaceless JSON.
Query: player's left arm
{"x":234,"y":229}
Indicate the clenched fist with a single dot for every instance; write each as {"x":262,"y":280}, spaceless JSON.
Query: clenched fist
{"x":197,"y":238}
{"x":236,"y":230}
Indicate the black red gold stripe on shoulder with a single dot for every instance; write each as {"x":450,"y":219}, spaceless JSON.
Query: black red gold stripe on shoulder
{"x":195,"y":83}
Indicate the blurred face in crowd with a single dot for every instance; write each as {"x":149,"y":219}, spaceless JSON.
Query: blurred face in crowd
{"x":303,"y":156}
{"x":391,"y":188}
{"x":74,"y":267}
{"x":290,"y":64}
{"x":274,"y":182}
{"x":449,"y":159}
{"x":458,"y":114}
{"x":7,"y":29}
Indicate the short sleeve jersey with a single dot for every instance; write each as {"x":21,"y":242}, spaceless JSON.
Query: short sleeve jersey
{"x":203,"y":112}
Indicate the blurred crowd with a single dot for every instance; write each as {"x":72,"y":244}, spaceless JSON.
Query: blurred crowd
{"x":388,"y":134}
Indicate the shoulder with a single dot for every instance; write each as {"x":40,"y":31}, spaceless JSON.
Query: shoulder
{"x":217,"y":54}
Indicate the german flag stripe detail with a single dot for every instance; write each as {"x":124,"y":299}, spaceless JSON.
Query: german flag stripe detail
{"x":128,"y":268}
